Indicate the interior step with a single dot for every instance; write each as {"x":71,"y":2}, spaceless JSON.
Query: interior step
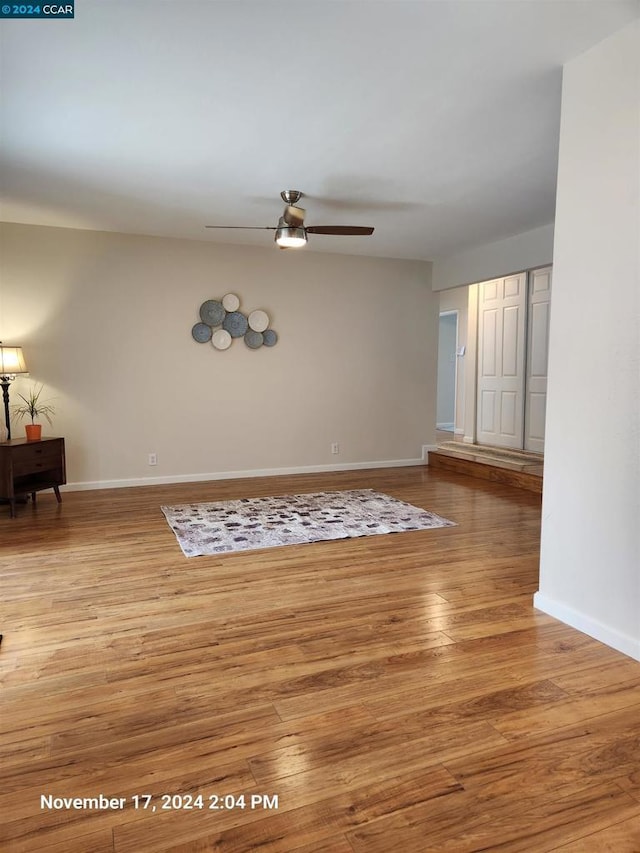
{"x":512,"y":467}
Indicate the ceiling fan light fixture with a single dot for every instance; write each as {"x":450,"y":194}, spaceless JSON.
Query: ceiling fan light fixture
{"x":290,"y":238}
{"x":292,"y":233}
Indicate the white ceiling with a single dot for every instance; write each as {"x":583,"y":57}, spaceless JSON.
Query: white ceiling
{"x":435,"y":122}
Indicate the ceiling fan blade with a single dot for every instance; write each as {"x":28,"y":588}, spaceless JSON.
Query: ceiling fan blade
{"x":294,"y":216}
{"x":340,"y":230}
{"x":245,"y":227}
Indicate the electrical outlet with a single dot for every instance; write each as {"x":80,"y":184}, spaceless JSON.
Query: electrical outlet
{"x":335,"y":447}
{"x":153,"y":459}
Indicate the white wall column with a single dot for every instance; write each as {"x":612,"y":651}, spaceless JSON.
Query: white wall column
{"x":590,"y":558}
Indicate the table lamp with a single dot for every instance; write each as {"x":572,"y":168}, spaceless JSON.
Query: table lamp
{"x":11,"y":364}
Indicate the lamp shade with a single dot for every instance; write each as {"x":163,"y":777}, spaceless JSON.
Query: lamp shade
{"x":290,"y":236}
{"x":11,"y":361}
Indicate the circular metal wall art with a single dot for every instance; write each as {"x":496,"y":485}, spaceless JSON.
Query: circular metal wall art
{"x":258,"y":320}
{"x":236,"y":324}
{"x":230,"y":302}
{"x":212,"y":312}
{"x":201,"y":333}
{"x":221,"y":339}
{"x":221,"y":322}
{"x":253,"y":339}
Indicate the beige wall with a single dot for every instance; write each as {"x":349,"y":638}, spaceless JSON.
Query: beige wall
{"x":105,"y":321}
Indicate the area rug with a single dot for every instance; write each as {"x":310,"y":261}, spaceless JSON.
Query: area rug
{"x":215,"y":528}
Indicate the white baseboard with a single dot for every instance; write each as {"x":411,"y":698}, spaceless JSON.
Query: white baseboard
{"x":587,"y":625}
{"x":446,"y":427}
{"x":458,"y":431}
{"x":425,"y":451}
{"x":468,"y":439}
{"x":237,"y":475}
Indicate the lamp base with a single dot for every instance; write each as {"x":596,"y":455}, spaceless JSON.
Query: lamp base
{"x":5,"y":397}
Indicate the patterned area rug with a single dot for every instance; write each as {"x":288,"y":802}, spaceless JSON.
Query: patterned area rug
{"x":216,"y":528}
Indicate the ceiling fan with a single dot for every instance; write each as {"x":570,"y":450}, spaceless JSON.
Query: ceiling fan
{"x":291,"y":232}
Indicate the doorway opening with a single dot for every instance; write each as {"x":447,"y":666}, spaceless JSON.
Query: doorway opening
{"x":447,"y":372}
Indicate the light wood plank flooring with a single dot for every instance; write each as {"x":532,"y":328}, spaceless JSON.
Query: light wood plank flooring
{"x":395,"y":693}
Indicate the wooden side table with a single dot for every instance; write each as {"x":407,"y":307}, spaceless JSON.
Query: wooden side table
{"x":27,"y":467}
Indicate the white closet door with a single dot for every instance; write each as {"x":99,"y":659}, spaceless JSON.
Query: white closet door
{"x":537,"y":351}
{"x":501,"y":361}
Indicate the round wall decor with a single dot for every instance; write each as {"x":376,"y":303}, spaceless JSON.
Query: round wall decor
{"x":221,"y":339}
{"x":253,"y":339}
{"x":201,"y":333}
{"x":230,"y":302}
{"x":221,"y":321}
{"x":236,"y":324}
{"x":212,"y":312}
{"x":258,"y":320}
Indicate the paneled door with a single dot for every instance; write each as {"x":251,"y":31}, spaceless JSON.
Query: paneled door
{"x":537,"y":352}
{"x":502,"y":306}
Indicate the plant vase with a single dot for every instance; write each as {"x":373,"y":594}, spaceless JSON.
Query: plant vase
{"x":34,"y":432}
{"x":32,"y":408}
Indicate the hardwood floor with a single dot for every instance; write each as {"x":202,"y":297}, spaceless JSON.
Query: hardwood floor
{"x":394,"y":693}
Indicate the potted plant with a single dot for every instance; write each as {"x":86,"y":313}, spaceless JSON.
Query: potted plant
{"x":32,"y":407}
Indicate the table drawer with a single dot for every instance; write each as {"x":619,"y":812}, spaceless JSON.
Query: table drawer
{"x":39,"y":457}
